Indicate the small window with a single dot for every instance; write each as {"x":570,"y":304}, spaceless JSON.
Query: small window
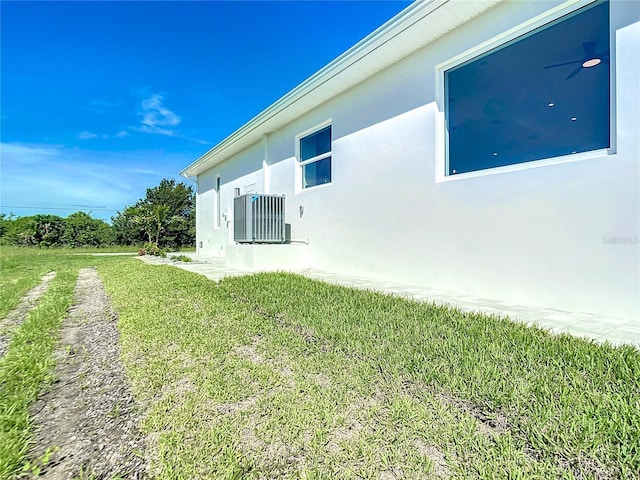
{"x":545,"y":94}
{"x":315,"y":157}
{"x":218,"y":208}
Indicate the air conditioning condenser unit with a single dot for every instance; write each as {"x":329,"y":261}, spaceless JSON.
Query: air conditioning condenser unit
{"x":258,"y":218}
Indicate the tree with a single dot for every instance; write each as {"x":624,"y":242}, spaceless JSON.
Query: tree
{"x":180,"y":218}
{"x":77,"y":230}
{"x":125,"y":231}
{"x":151,"y":219}
{"x":81,"y":230}
{"x":45,"y":231}
{"x":177,"y":196}
{"x":20,"y":231}
{"x":12,"y":227}
{"x":165,"y":216}
{"x":5,"y":223}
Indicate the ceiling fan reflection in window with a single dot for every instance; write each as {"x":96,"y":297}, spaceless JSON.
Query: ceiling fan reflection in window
{"x":591,"y":59}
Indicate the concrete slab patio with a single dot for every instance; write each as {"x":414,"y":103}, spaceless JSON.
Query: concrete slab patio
{"x":601,"y":329}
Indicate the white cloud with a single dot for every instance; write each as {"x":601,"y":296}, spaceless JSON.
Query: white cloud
{"x":103,"y":106}
{"x":89,"y":135}
{"x":86,"y":135}
{"x":122,"y":134}
{"x":18,"y":153}
{"x":156,"y":118}
{"x":55,"y":176}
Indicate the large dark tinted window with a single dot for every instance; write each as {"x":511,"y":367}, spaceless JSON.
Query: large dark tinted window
{"x":542,"y":95}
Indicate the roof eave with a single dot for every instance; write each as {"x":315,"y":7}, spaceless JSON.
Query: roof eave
{"x":391,"y":29}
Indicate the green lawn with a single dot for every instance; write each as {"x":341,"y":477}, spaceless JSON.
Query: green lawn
{"x":278,"y":376}
{"x":27,"y":367}
{"x":21,"y":268}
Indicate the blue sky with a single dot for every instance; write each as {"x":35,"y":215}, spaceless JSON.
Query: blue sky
{"x":101,"y":100}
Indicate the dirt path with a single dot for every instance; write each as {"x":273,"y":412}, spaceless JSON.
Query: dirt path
{"x":18,"y":315}
{"x":88,"y":420}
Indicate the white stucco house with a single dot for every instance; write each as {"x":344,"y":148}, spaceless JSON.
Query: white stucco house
{"x":485,"y":147}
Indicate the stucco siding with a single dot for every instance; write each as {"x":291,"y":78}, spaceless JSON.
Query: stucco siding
{"x":563,"y":235}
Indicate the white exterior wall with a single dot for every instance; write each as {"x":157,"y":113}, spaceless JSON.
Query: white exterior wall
{"x":563,"y":236}
{"x":245,"y":173}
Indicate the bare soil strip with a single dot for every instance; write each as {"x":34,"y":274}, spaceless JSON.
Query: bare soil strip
{"x":87,"y":423}
{"x":17,"y":316}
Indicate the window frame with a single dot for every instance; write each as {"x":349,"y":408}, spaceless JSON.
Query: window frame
{"x":218,"y":204}
{"x":524,"y":28}
{"x":300,"y":164}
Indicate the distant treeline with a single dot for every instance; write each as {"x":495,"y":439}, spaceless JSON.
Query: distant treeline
{"x":166,"y":217}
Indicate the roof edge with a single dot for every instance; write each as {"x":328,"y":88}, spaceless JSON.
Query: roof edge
{"x":378,"y":37}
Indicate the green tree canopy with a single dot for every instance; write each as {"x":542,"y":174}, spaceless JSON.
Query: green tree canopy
{"x":47,"y":231}
{"x":166,"y":216}
{"x":82,"y":230}
{"x":77,"y":230}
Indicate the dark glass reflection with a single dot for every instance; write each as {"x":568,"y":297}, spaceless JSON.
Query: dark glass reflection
{"x":315,"y":144}
{"x":533,"y":98}
{"x":317,"y":173}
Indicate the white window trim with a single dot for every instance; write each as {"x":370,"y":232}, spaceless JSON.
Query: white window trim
{"x":299,"y":164}
{"x":442,"y":139}
{"x":218,"y":205}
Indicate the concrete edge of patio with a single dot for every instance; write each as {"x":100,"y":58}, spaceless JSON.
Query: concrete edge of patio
{"x":599,"y":328}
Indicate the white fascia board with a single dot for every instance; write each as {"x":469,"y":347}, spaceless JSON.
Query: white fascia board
{"x":367,"y":57}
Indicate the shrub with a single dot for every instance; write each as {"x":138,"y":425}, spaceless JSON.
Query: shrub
{"x":181,"y":258}
{"x":153,"y":249}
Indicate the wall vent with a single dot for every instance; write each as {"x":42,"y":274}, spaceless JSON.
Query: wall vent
{"x":258,"y":218}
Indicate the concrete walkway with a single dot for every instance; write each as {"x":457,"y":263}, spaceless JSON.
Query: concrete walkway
{"x":614,"y":330}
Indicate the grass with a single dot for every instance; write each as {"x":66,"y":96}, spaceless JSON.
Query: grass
{"x":278,"y":376}
{"x":27,"y":367}
{"x":22,"y":268}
